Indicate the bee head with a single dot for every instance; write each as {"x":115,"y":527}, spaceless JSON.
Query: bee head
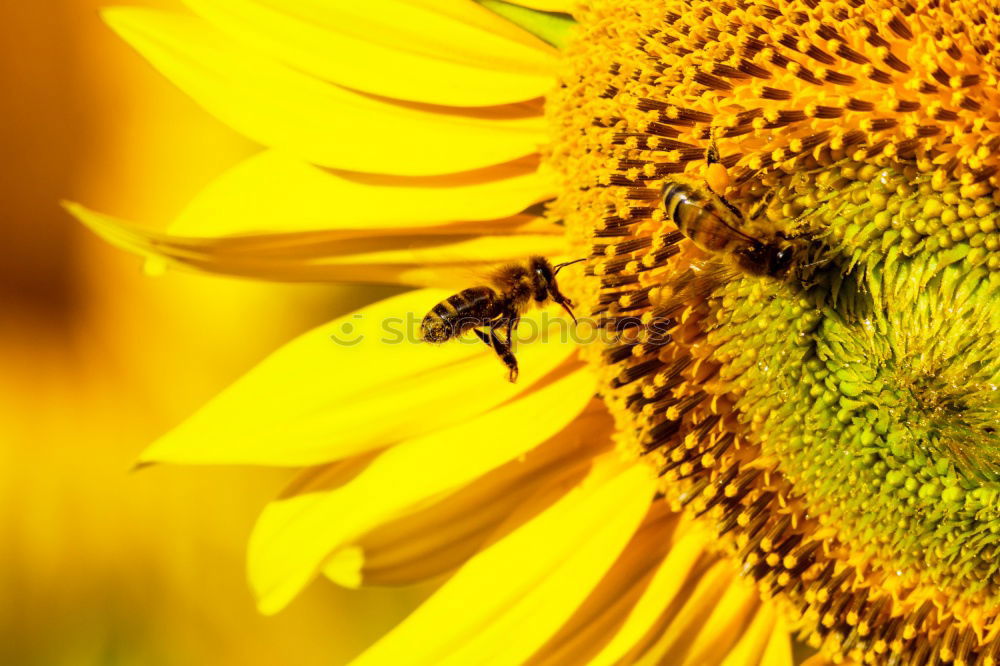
{"x":766,"y":259}
{"x":545,"y":286}
{"x":781,"y":261}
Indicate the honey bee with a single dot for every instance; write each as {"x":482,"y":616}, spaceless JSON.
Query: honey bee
{"x":711,"y":223}
{"x":497,"y":307}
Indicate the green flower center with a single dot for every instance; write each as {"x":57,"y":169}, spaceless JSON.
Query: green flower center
{"x":877,"y":386}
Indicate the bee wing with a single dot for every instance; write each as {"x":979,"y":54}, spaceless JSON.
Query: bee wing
{"x":714,"y":235}
{"x":464,"y":259}
{"x":470,"y":275}
{"x":448,"y":268}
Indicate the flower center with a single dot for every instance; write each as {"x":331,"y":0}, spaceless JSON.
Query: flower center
{"x":835,"y":419}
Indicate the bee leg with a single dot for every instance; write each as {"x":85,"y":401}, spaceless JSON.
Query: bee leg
{"x":512,"y":328}
{"x":712,"y":153}
{"x":731,"y":207}
{"x":761,"y":205}
{"x":512,"y":323}
{"x":502,"y":350}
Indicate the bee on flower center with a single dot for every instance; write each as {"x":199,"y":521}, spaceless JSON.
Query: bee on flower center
{"x":487,"y":309}
{"x":712,"y":223}
{"x":707,"y":218}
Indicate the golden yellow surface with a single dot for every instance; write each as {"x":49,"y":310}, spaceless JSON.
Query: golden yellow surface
{"x":100,"y":564}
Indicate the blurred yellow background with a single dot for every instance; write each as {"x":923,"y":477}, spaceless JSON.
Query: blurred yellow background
{"x":100,"y":565}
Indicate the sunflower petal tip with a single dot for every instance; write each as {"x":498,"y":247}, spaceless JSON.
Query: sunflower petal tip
{"x":140,"y":465}
{"x":269,"y":605}
{"x":178,"y":446}
{"x":89,"y":218}
{"x":344,"y":567}
{"x":272,"y":590}
{"x":76,"y":209}
{"x":118,"y":17}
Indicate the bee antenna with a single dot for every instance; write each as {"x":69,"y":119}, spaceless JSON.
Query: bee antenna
{"x":559,"y":267}
{"x":566,"y":307}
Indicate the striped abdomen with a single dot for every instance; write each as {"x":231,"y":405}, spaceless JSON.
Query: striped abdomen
{"x":702,"y":221}
{"x":469,"y":308}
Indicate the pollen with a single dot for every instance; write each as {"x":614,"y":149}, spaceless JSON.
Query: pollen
{"x":836,"y":425}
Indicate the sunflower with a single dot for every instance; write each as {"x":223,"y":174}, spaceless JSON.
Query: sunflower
{"x":746,"y":455}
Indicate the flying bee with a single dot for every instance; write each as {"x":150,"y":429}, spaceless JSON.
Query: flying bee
{"x":712,"y":223}
{"x":497,"y":307}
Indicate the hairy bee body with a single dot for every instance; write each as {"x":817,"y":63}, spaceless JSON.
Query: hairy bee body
{"x":710,"y":222}
{"x":496,"y":308}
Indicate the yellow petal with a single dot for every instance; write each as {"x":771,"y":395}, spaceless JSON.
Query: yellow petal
{"x":317,"y":121}
{"x":439,"y":538}
{"x":750,"y":648}
{"x":274,"y":192}
{"x":731,"y":614}
{"x":563,"y":6}
{"x":779,"y":648}
{"x":473,"y":14}
{"x":294,"y":536}
{"x":671,"y":640}
{"x":454,"y":259}
{"x":686,"y":552}
{"x":603,"y":612}
{"x":510,"y":598}
{"x":391,"y":48}
{"x":817,"y":660}
{"x":344,"y":567}
{"x":360,"y":383}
